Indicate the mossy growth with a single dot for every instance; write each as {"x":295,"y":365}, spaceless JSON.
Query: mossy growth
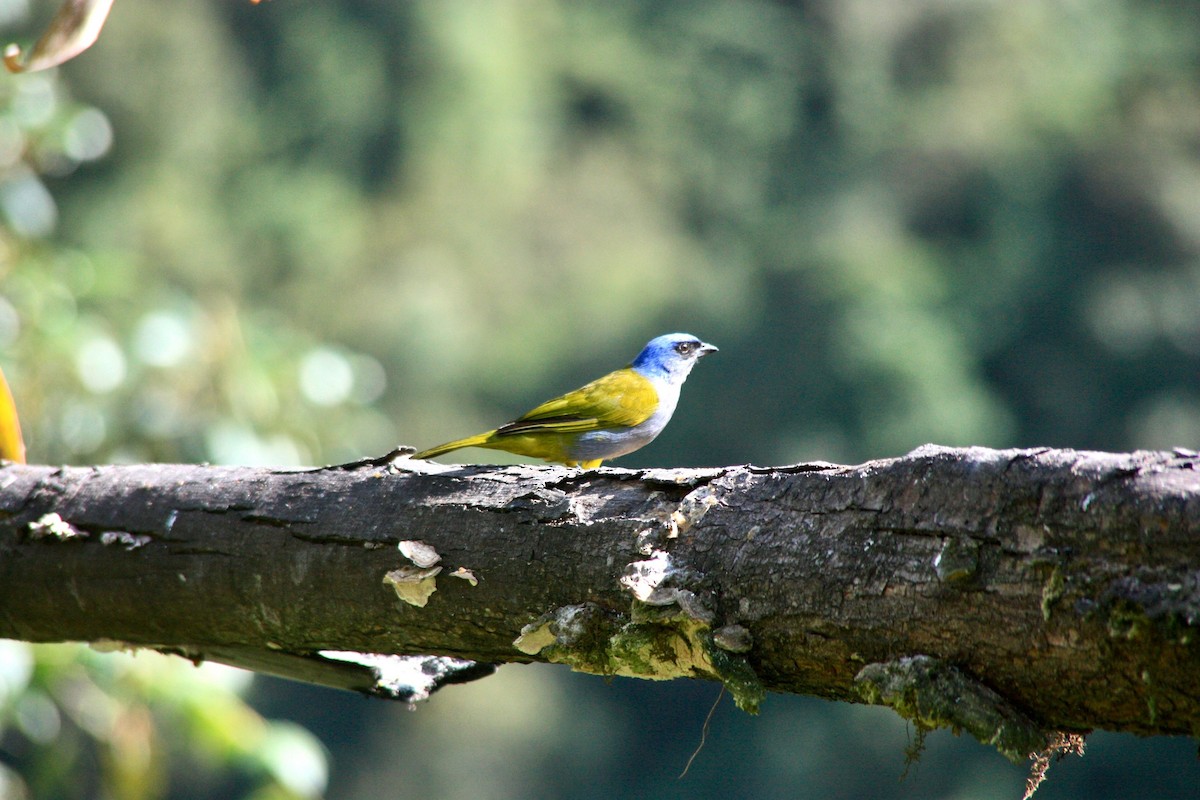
{"x":933,"y":694}
{"x":1128,"y":619}
{"x":1053,"y":590}
{"x":656,"y":644}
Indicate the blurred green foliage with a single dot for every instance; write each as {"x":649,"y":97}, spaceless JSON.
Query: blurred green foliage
{"x":293,"y":233}
{"x":78,"y":723}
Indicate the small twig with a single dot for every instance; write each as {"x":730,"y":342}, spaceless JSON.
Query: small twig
{"x":1058,"y":746}
{"x":364,"y":463}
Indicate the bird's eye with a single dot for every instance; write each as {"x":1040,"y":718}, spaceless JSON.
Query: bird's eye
{"x":685,"y":348}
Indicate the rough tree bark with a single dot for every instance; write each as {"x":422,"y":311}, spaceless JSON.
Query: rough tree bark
{"x":1009,"y":593}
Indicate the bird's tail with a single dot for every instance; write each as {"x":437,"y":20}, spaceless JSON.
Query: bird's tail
{"x":479,"y":440}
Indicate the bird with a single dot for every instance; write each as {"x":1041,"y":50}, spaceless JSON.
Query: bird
{"x":609,"y":417}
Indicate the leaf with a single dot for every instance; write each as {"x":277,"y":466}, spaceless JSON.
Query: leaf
{"x":74,"y":29}
{"x":12,"y":446}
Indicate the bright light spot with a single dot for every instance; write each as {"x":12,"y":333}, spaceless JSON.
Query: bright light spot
{"x":37,"y":717}
{"x":88,"y":136}
{"x":1166,"y":421}
{"x":127,"y":455}
{"x":1177,"y":310}
{"x":370,"y":380}
{"x":16,"y":668}
{"x":12,"y":12}
{"x":326,"y":377}
{"x":229,"y":678}
{"x":36,"y":100}
{"x":162,"y":339}
{"x":82,"y":427}
{"x":27,"y":204}
{"x":296,"y":759}
{"x":1122,"y":316}
{"x":11,"y":784}
{"x":231,"y":443}
{"x":100,"y":364}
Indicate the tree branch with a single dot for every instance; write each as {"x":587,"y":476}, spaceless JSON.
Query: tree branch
{"x":1034,"y":590}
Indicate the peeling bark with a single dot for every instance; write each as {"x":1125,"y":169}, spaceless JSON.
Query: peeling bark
{"x":1062,"y":586}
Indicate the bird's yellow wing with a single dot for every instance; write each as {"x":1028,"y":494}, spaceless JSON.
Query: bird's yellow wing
{"x":619,"y":399}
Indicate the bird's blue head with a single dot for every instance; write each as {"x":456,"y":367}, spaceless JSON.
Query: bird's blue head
{"x":671,"y":356}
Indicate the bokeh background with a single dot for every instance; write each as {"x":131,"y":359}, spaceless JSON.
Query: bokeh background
{"x":299,"y":233}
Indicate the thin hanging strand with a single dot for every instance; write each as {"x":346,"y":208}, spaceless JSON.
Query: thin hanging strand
{"x":703,"y":733}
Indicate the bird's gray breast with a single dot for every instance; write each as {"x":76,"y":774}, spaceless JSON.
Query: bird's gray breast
{"x":619,"y":441}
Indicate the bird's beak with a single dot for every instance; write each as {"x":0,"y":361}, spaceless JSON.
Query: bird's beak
{"x":706,"y":348}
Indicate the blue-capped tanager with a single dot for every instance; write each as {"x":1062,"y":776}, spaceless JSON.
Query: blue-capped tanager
{"x":609,"y":417}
